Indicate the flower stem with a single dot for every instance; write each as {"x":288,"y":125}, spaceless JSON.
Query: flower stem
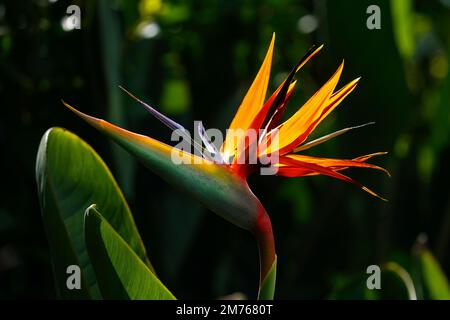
{"x":267,"y":256}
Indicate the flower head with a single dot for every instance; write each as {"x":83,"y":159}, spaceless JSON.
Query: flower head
{"x":286,"y":139}
{"x":257,"y":138}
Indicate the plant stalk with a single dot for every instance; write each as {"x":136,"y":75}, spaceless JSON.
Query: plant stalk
{"x":267,"y":257}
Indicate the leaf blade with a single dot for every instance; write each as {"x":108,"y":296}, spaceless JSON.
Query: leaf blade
{"x":121,"y":273}
{"x":70,"y":176}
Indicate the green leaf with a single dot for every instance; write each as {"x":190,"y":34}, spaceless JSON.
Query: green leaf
{"x":434,"y":280}
{"x":120,"y":272}
{"x":71,"y":176}
{"x":267,"y":289}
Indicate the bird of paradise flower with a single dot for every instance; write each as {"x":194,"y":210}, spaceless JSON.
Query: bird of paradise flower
{"x":219,"y":180}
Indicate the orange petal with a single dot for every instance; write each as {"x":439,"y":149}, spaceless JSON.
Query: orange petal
{"x":335,"y":99}
{"x":273,"y":109}
{"x":335,"y":164}
{"x":252,"y":103}
{"x":252,"y":140}
{"x":303,"y":167}
{"x":292,"y":132}
{"x":294,"y":172}
{"x":313,"y":52}
{"x":257,"y":123}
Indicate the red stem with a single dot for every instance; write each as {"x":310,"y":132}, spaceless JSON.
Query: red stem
{"x":264,"y":236}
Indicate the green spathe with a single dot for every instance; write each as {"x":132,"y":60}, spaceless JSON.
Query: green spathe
{"x":214,"y":185}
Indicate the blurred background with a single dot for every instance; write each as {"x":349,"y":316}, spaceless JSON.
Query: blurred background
{"x":194,"y":60}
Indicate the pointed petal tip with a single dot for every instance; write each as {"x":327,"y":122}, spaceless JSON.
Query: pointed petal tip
{"x":271,"y":44}
{"x":380,"y":153}
{"x":352,"y":84}
{"x":341,"y":67}
{"x":374,"y":194}
{"x":383,"y":170}
{"x":65,"y":103}
{"x":317,"y":48}
{"x":357,"y":80}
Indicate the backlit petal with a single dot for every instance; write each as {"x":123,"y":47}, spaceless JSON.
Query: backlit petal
{"x":335,"y":99}
{"x":334,"y":164}
{"x":251,"y":105}
{"x":316,"y":168}
{"x":293,"y":131}
{"x":274,"y":108}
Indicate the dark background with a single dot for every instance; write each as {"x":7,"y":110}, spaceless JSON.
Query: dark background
{"x":194,"y":59}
